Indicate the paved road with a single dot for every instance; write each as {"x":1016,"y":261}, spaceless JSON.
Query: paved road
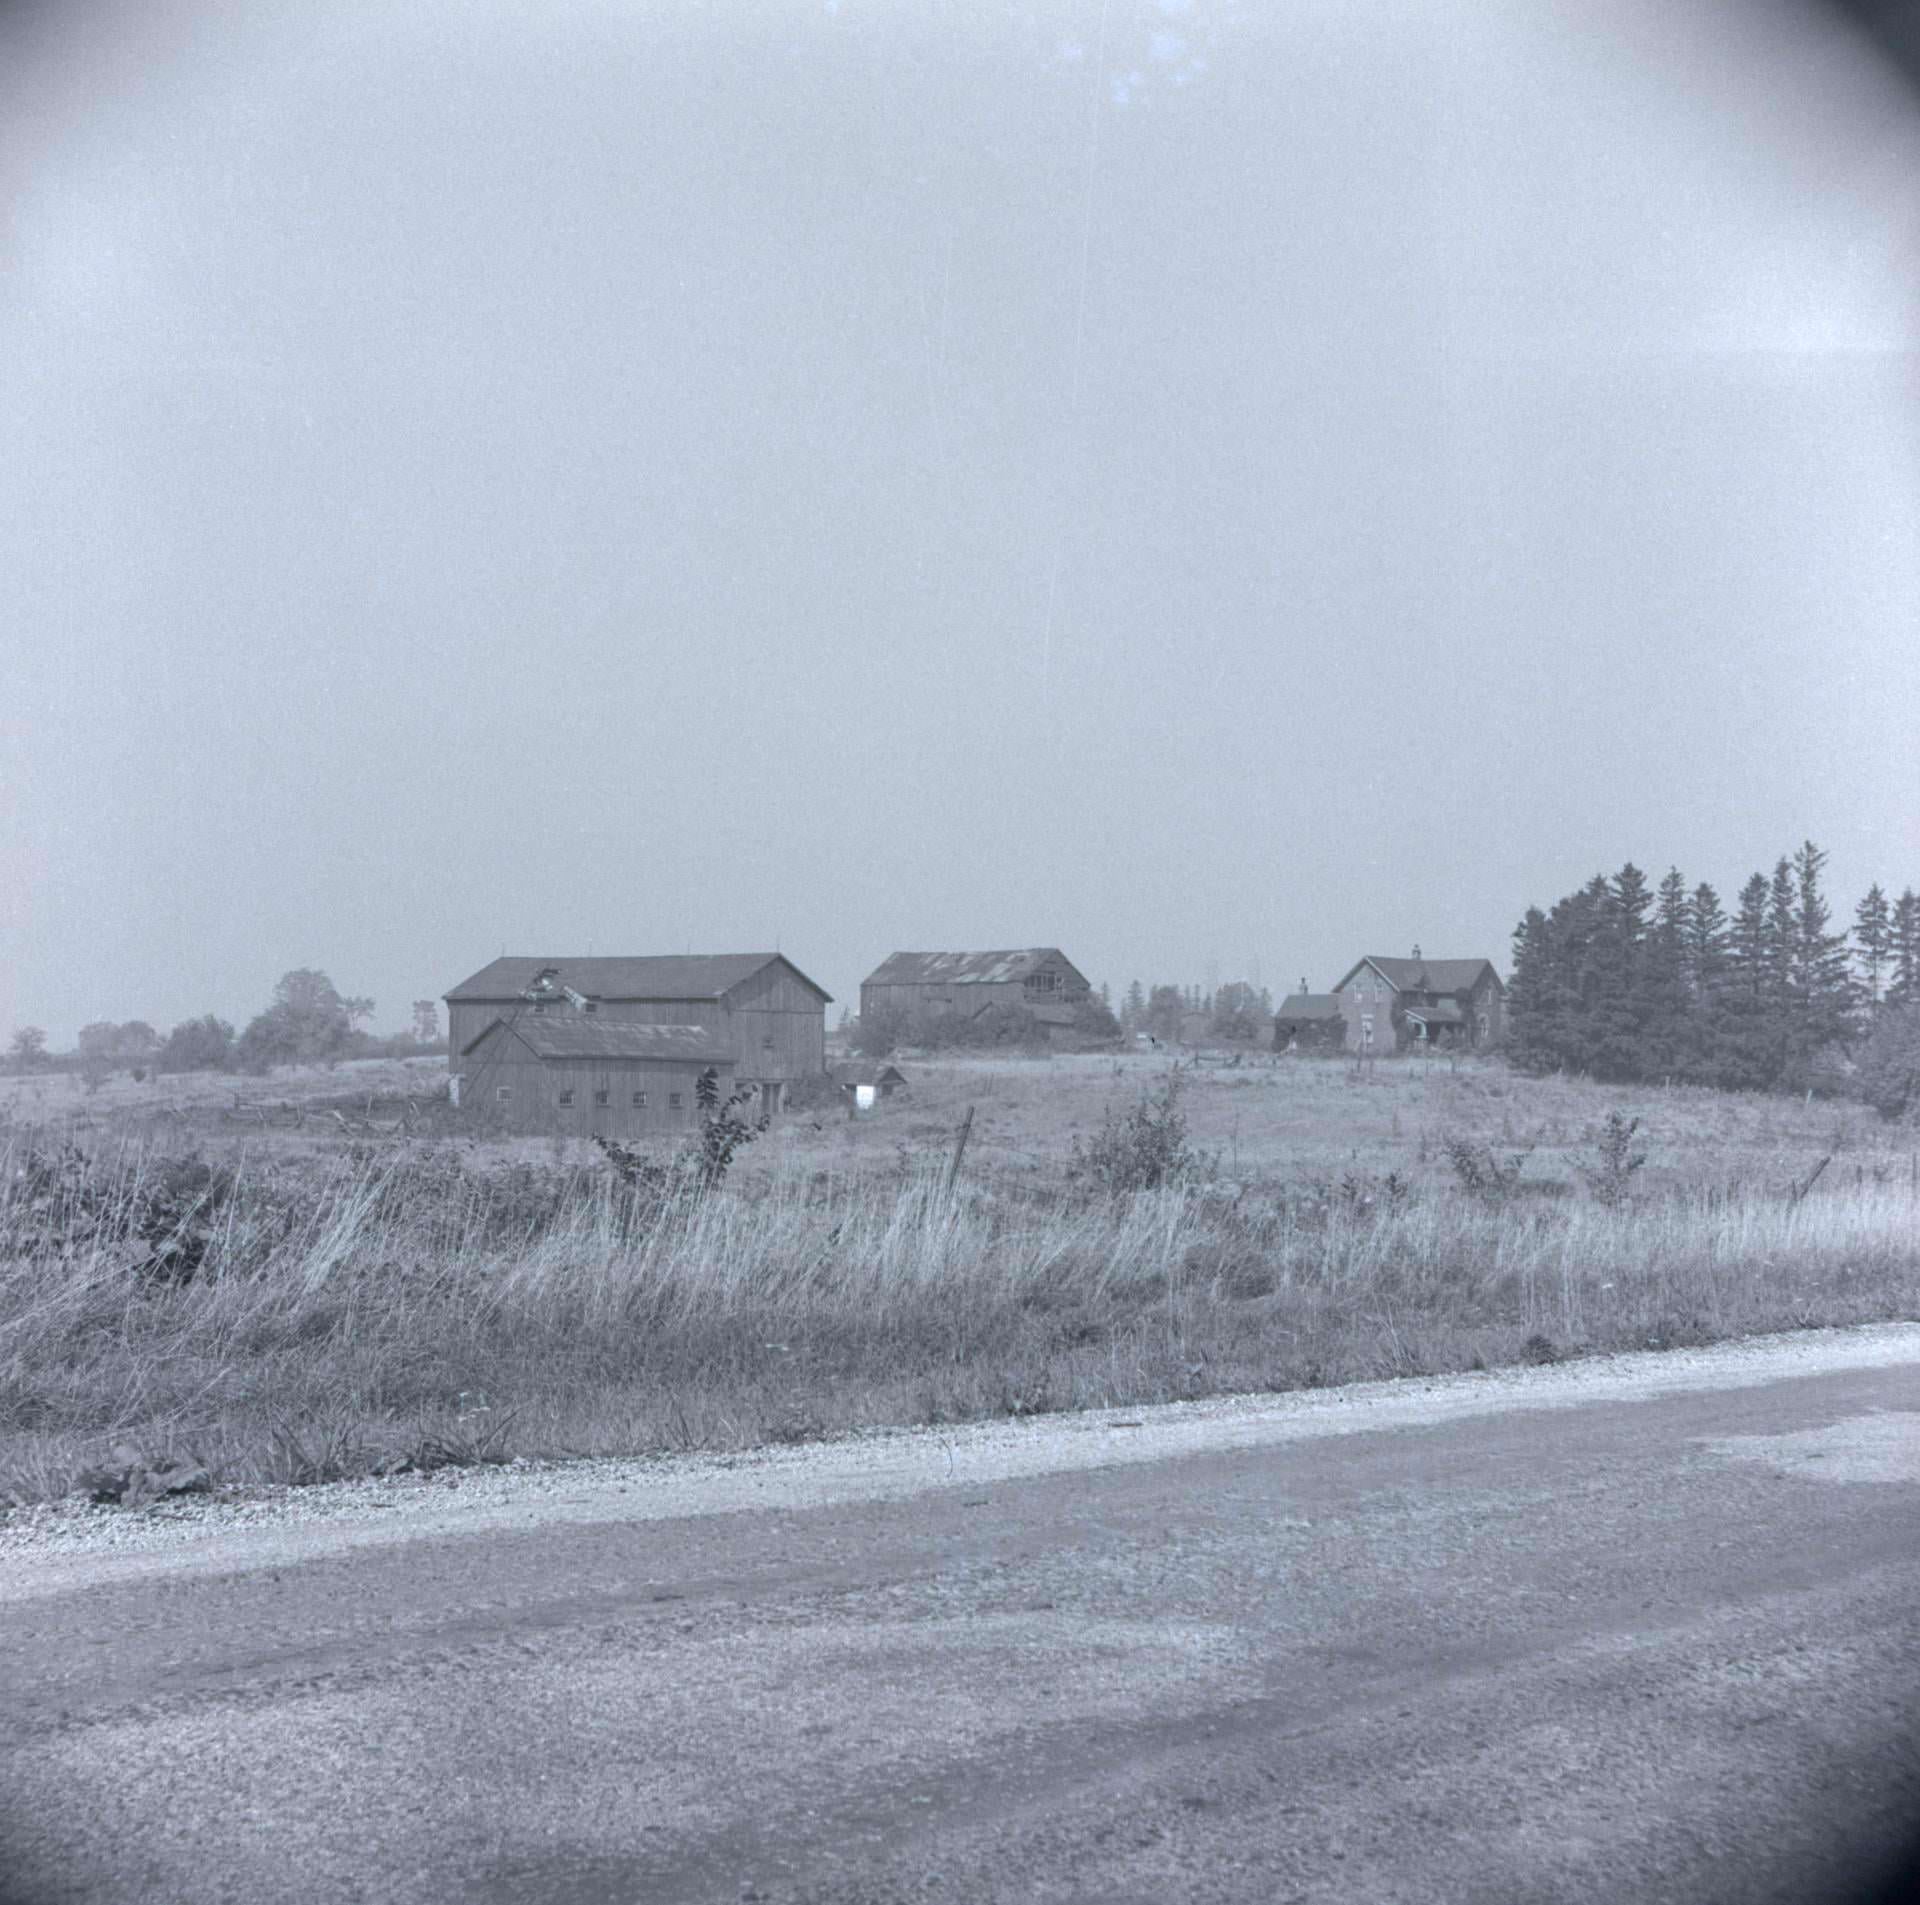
{"x":1651,"y":1646}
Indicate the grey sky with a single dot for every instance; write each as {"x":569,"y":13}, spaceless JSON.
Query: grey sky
{"x":1187,"y":482}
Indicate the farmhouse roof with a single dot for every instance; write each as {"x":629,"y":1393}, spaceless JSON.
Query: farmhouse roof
{"x":575,"y":1036}
{"x":668,"y":976}
{"x":1309,"y":1005}
{"x":1446,"y":1012}
{"x":961,"y":968}
{"x":1424,"y":975}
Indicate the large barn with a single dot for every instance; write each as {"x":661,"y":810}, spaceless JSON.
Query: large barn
{"x":924,"y":985}
{"x":757,"y":1012}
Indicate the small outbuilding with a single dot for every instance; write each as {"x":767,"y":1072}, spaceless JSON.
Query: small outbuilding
{"x":883,"y":1080}
{"x":586,"y":1077}
{"x":1309,"y":1022}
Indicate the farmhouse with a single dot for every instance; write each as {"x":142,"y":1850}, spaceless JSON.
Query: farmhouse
{"x":924,"y":985}
{"x":758,"y":1011}
{"x":582,"y":1075}
{"x":1388,"y":1004}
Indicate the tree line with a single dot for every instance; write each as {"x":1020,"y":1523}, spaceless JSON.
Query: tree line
{"x":1236,"y":1010}
{"x":307,"y":1021}
{"x":1626,"y":981}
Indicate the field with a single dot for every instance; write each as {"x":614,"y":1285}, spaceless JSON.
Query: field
{"x":312,"y":1276}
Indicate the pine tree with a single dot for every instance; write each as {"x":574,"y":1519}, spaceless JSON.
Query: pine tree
{"x":1903,"y":988}
{"x":1613,"y":989}
{"x":1665,"y":994}
{"x":1744,"y":1055}
{"x":1873,"y":934}
{"x":1529,"y":1041}
{"x":1706,"y":983}
{"x":1823,"y":978}
{"x":1133,"y":1014}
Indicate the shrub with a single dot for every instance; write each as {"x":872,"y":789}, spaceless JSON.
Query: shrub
{"x":724,"y":1130}
{"x":1888,"y":1076}
{"x":1609,"y":1171}
{"x":1479,"y":1173}
{"x":1144,"y":1150}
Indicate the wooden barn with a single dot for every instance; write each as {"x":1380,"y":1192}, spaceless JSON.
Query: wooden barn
{"x":1390,"y":1004}
{"x":923,"y":985}
{"x":590,"y":1077}
{"x":759,"y":1010}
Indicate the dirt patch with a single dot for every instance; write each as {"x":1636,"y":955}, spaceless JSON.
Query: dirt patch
{"x":1882,"y":1447}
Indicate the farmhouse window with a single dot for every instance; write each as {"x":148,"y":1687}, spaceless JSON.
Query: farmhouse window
{"x":676,"y":1100}
{"x":566,"y":1097}
{"x":766,"y":1044}
{"x":639,"y":1101}
{"x":504,"y":1093}
{"x":603,"y":1097}
{"x":592,"y":1005}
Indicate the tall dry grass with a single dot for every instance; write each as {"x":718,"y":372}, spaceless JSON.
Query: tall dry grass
{"x":358,"y":1312}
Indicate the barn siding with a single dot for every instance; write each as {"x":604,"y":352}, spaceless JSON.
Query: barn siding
{"x":522,"y":1093}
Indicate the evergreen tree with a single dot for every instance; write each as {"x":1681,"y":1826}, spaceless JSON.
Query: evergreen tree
{"x":1666,"y":985}
{"x":1706,"y":983}
{"x":1903,"y":988}
{"x":1133,"y":1014}
{"x":1823,"y":977}
{"x":1529,"y":1042}
{"x":1614,"y":1000}
{"x":1873,"y":934}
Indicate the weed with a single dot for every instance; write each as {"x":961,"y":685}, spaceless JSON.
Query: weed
{"x":1609,"y":1171}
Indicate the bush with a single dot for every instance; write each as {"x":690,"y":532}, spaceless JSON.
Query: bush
{"x":1888,"y":1072}
{"x":1609,"y":1171}
{"x":1145,"y":1150}
{"x":1479,"y":1173}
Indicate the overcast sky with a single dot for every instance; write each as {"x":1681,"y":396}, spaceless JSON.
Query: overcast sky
{"x":1209,"y":486}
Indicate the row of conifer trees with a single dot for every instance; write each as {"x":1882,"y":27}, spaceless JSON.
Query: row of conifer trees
{"x":1626,"y":981}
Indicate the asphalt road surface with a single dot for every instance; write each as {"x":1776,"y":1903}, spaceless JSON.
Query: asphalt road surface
{"x":1592,"y":1633}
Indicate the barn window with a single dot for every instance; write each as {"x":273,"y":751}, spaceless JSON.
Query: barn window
{"x":766,"y":1044}
{"x":639,"y":1101}
{"x":503,"y":1093}
{"x":676,"y":1101}
{"x":566,"y":1097}
{"x":603,"y":1097}
{"x":592,"y":1005}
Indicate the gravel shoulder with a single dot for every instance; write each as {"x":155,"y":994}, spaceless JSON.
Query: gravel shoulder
{"x":64,"y":1547}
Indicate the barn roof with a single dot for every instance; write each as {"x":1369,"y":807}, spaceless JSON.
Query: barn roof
{"x":1309,"y":1005}
{"x":1424,"y":975}
{"x":961,"y":968}
{"x":576,"y":1036}
{"x":865,"y":1071}
{"x":668,"y":976}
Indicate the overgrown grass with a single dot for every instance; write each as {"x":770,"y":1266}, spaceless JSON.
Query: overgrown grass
{"x":383,"y":1309}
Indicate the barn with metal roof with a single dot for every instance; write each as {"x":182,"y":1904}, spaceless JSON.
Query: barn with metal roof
{"x":922,"y":986}
{"x":755,"y":1015}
